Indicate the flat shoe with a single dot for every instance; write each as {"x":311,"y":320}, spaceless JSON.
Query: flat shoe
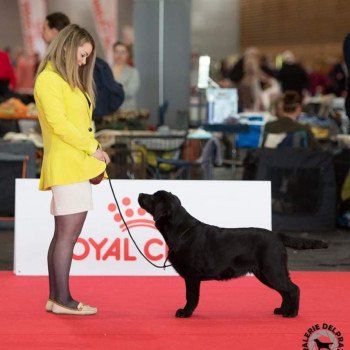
{"x":48,"y":306}
{"x":81,"y":309}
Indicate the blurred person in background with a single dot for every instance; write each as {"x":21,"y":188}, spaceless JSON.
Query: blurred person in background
{"x":126,"y":75}
{"x":237,"y":72}
{"x":25,"y":72}
{"x":287,"y":121}
{"x":292,"y":76}
{"x":7,"y":76}
{"x":318,"y":79}
{"x":53,"y":24}
{"x":249,"y":87}
{"x":271,"y":88}
{"x":337,"y":78}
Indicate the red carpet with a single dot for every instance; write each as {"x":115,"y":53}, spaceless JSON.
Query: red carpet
{"x":138,"y":313}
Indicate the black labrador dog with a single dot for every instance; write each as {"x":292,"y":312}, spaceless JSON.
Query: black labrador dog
{"x":200,"y":252}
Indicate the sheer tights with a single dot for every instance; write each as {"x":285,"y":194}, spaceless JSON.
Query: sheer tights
{"x":59,"y":258}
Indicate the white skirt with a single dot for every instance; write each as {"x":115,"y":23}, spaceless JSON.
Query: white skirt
{"x":71,"y":199}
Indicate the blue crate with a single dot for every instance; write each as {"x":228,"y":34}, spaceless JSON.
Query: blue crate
{"x":252,"y":138}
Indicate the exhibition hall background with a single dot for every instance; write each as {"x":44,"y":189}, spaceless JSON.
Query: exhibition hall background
{"x":167,"y":32}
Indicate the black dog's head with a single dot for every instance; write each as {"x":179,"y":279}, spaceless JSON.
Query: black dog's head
{"x":161,"y":204}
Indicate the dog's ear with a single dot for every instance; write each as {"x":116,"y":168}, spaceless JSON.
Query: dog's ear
{"x":177,"y":202}
{"x":166,"y":206}
{"x":161,"y":210}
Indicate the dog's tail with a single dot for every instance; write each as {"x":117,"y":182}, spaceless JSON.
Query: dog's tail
{"x":302,"y":243}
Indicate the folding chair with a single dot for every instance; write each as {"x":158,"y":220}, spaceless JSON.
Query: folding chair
{"x":202,"y":168}
{"x":168,"y":147}
{"x":126,"y":162}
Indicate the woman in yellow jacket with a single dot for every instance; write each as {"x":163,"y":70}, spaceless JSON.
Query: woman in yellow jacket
{"x":64,"y":98}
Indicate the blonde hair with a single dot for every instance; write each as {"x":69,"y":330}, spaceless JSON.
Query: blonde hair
{"x":62,"y":53}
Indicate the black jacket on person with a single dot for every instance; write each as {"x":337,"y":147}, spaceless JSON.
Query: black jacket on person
{"x":109,"y":93}
{"x":293,"y":77}
{"x":236,"y":73}
{"x":337,"y":79}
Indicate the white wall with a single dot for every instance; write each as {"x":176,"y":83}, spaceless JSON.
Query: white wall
{"x":215,"y":27}
{"x":10,"y":26}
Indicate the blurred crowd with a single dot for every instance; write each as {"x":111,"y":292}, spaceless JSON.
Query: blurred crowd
{"x":260,"y":81}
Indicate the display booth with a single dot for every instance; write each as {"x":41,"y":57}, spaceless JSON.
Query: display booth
{"x":105,"y":248}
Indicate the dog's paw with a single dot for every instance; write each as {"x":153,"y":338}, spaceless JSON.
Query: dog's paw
{"x":290,"y":314}
{"x":285,"y":313}
{"x":278,"y":311}
{"x":183,"y":313}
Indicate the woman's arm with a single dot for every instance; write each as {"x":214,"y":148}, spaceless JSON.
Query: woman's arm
{"x":49,"y":94}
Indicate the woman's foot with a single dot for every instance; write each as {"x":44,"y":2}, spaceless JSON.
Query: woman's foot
{"x":80,"y":309}
{"x":48,"y":306}
{"x":70,"y":304}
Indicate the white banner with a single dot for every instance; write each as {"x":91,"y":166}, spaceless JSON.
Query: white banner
{"x":105,"y":16}
{"x":105,"y":248}
{"x":32,"y":15}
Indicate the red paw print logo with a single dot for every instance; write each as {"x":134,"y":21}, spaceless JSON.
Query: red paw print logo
{"x":129,"y":215}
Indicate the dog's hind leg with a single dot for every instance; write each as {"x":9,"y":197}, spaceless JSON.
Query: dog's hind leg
{"x":290,"y":302}
{"x":263,"y":280}
{"x":293,"y":297}
{"x":273,"y":272}
{"x":192,"y":297}
{"x":290,"y":293}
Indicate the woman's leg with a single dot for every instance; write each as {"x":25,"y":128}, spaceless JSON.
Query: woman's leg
{"x":52,"y":294}
{"x":67,"y":231}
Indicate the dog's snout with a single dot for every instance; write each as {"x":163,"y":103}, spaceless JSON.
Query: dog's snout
{"x":143,"y":199}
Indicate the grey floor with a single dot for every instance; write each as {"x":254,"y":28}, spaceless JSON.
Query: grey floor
{"x":335,"y":258}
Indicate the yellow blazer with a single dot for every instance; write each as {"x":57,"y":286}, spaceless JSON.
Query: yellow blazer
{"x":66,"y":123}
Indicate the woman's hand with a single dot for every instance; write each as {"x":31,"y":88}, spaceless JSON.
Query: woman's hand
{"x":106,"y":157}
{"x":101,"y":155}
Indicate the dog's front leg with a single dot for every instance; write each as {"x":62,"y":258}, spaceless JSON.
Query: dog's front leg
{"x":192,"y":297}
